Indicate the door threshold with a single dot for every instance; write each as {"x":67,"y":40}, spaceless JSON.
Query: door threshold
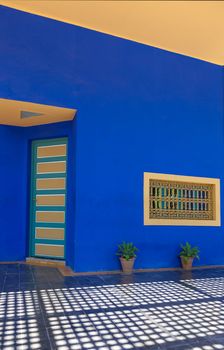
{"x":45,"y":262}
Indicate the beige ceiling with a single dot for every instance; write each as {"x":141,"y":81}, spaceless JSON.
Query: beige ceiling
{"x":192,"y":28}
{"x":10,"y":113}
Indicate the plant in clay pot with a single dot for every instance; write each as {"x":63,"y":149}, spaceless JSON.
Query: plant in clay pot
{"x":126,"y":252}
{"x":187,"y":255}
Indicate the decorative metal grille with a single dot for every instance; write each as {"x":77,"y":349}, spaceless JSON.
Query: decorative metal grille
{"x":181,"y":200}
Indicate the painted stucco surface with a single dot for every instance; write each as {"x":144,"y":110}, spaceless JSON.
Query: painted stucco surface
{"x":139,"y":109}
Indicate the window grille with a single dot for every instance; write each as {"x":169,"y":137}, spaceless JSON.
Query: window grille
{"x":169,"y":199}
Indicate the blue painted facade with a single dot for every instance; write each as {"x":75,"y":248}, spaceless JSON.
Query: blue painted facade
{"x":139,"y":109}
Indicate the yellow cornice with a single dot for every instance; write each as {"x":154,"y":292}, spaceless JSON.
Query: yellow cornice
{"x":192,"y":28}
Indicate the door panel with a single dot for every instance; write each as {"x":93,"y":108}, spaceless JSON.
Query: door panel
{"x":51,"y":167}
{"x":50,"y":216}
{"x":51,"y":151}
{"x":49,"y":233}
{"x":48,"y":250}
{"x":50,"y":184}
{"x":48,"y":198}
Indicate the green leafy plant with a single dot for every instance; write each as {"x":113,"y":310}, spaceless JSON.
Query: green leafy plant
{"x":189,"y":252}
{"x":127,"y":250}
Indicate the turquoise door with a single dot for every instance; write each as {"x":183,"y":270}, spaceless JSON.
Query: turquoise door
{"x":48,"y":198}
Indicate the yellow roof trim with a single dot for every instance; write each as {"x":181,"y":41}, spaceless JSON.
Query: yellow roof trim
{"x":191,"y":28}
{"x":20,"y":113}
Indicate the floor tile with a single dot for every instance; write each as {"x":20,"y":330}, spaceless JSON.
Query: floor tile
{"x":169,"y":310}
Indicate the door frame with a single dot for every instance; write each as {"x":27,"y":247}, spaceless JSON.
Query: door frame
{"x":32,"y":210}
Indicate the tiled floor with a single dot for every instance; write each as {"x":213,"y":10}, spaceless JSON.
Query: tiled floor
{"x":40,"y":309}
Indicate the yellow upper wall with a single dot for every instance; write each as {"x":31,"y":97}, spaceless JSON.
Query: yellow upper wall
{"x":192,"y":28}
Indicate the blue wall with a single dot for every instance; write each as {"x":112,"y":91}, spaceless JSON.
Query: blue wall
{"x":12,"y":201}
{"x":139,"y":109}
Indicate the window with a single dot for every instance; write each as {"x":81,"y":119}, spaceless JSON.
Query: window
{"x":181,"y":200}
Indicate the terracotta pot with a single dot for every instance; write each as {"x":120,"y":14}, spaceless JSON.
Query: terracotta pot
{"x":186,"y":263}
{"x":127,"y":265}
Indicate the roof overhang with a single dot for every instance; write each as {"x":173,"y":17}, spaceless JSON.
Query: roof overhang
{"x":20,"y":113}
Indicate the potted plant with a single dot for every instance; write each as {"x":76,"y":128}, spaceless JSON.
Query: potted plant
{"x":126,"y":252}
{"x":187,"y":255}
